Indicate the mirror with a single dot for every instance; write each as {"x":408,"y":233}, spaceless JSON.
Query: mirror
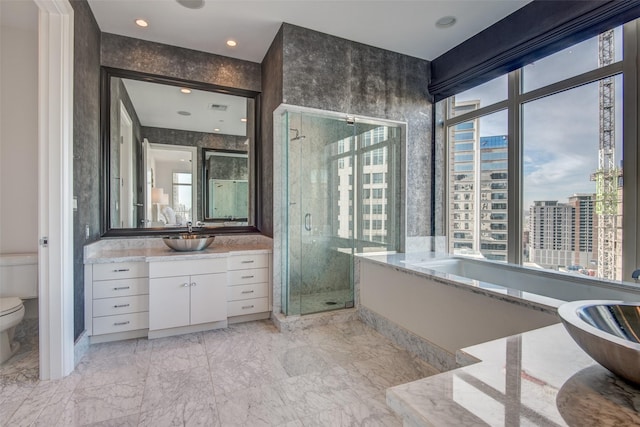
{"x":226,"y":182}
{"x":176,"y":152}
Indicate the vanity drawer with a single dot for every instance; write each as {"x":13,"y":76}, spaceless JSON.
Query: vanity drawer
{"x":244,"y":277}
{"x":120,"y":288}
{"x":122,"y":305}
{"x":120,"y":323}
{"x":249,"y":306}
{"x":243,"y":292}
{"x":119,"y":270}
{"x":187,"y":267}
{"x":242,"y":262}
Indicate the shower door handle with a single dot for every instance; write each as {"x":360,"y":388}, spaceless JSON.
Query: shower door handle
{"x":307,"y":222}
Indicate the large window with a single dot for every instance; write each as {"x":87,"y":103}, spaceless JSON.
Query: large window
{"x":535,"y":164}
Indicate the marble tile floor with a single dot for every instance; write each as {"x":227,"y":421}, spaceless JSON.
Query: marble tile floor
{"x":22,"y":367}
{"x":246,"y":375}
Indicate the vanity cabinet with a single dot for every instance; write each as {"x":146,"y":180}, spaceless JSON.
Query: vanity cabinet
{"x":187,"y":293}
{"x":117,"y":299}
{"x":248,"y":290}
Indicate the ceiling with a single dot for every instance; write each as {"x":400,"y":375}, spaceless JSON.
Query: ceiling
{"x":164,"y":106}
{"x":407,"y":27}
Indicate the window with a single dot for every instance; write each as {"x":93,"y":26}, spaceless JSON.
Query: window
{"x":377,"y":193}
{"x":181,"y":200}
{"x":378,"y":178}
{"x":563,"y":157}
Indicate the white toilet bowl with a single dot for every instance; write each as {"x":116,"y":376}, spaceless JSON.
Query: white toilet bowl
{"x":11,"y":314}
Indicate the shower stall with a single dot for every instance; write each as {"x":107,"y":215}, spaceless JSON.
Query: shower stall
{"x":341,"y":195}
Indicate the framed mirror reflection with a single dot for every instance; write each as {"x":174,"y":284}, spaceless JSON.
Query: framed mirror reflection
{"x":176,"y":152}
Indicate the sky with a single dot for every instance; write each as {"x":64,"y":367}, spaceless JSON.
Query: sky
{"x":560,"y":132}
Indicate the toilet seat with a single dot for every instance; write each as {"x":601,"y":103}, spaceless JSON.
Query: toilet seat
{"x":9,"y":305}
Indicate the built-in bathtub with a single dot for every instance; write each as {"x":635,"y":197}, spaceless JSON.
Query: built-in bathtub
{"x":505,"y":279}
{"x":439,"y":305}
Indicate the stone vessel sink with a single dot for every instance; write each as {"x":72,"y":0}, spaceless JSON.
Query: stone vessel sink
{"x":188,"y":242}
{"x":609,"y":331}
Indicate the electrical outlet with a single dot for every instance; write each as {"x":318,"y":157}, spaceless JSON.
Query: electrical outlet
{"x":87,"y":231}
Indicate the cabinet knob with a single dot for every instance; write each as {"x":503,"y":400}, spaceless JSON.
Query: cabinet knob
{"x":120,"y":270}
{"x":247,"y":277}
{"x":245,"y":307}
{"x":121,"y":323}
{"x":122,"y":288}
{"x":247,"y":262}
{"x":193,"y":283}
{"x":247,"y":292}
{"x":185,"y":285}
{"x":121,"y":305}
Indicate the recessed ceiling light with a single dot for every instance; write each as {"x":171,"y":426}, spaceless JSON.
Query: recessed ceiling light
{"x":142,"y":23}
{"x":446,"y":22}
{"x":185,"y":90}
{"x":244,"y":119}
{"x":184,"y":113}
{"x":191,"y":4}
{"x":216,"y":130}
{"x":231,"y":43}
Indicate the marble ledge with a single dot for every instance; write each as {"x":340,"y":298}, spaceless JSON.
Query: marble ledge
{"x":539,"y":377}
{"x":411,"y":263}
{"x":154,"y":250}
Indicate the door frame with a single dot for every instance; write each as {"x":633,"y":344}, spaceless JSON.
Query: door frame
{"x":55,"y":188}
{"x":126,"y":207}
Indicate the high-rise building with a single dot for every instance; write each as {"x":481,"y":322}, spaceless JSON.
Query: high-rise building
{"x":586,"y":242}
{"x":478,"y":214}
{"x":552,"y":234}
{"x":562,"y":235}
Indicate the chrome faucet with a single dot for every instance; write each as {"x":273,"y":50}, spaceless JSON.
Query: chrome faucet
{"x":189,"y":227}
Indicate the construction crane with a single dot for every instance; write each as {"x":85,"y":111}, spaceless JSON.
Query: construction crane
{"x":606,"y":177}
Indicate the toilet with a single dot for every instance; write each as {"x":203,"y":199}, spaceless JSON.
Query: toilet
{"x":18,"y":281}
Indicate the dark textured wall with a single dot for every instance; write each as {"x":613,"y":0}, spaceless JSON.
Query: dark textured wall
{"x":330,"y":73}
{"x":271,"y":99}
{"x":86,"y":145}
{"x":148,"y":57}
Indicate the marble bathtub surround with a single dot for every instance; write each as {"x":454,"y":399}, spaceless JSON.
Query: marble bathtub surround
{"x":539,"y":377}
{"x":247,"y":375}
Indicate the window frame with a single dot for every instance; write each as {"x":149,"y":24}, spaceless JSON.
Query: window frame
{"x":628,"y":68}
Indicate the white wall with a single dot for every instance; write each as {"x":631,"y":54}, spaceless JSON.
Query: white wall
{"x":18,"y":136}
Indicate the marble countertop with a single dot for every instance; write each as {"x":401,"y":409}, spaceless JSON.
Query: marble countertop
{"x":539,"y":378}
{"x":154,"y":250}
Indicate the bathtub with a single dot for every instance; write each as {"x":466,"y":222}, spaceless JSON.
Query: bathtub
{"x":440,"y":305}
{"x":504,"y":278}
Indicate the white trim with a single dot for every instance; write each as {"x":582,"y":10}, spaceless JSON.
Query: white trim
{"x":55,"y":187}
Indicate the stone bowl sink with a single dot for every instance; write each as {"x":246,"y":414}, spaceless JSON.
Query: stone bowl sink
{"x":609,"y":331}
{"x":188,"y":242}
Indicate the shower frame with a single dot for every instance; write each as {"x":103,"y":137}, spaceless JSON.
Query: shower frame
{"x":280,"y":197}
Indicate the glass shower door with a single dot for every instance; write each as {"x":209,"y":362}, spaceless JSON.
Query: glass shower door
{"x":320,"y":216}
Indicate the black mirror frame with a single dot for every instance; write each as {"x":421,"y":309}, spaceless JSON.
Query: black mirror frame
{"x":105,"y":119}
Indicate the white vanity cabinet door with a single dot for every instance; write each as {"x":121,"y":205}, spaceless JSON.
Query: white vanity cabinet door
{"x":195,"y":293}
{"x":208,"y":298}
{"x":169,"y":302}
